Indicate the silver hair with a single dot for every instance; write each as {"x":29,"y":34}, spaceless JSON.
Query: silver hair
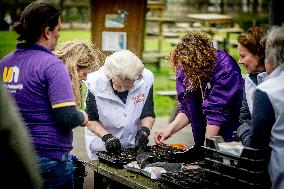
{"x":274,"y":45}
{"x":125,"y":64}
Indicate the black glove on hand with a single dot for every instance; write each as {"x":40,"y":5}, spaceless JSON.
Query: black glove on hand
{"x":141,"y":138}
{"x":112,"y":143}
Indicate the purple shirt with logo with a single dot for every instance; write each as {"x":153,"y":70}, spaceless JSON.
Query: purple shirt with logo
{"x":37,"y":79}
{"x":222,"y":99}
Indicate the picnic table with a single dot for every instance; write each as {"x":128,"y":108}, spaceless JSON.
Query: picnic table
{"x":225,"y":41}
{"x":154,"y":57}
{"x":156,"y":6}
{"x":172,"y":94}
{"x":209,"y":20}
{"x":228,"y":31}
{"x":160,"y":34}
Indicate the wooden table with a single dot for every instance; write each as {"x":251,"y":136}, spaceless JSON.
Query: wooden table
{"x":121,"y":178}
{"x":156,"y":6}
{"x":154,"y":57}
{"x":160,"y":21}
{"x":210,"y":19}
{"x":171,"y":94}
{"x":213,"y":31}
{"x":227,"y":31}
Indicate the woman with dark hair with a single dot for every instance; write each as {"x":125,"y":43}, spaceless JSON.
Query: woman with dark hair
{"x":209,"y":87}
{"x":41,"y":87}
{"x":37,"y":20}
{"x":251,"y":53}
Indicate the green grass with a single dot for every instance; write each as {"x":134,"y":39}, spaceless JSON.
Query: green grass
{"x":163,"y":105}
{"x":7,"y":43}
{"x":67,"y":35}
{"x":152,"y":44}
{"x":9,"y":39}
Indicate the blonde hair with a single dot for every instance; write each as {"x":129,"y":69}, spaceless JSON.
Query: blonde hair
{"x":125,"y":64}
{"x":77,"y":54}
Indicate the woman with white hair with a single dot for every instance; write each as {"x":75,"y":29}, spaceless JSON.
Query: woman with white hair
{"x":268,"y":106}
{"x":120,"y":104}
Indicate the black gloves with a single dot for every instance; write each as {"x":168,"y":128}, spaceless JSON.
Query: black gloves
{"x":112,"y":143}
{"x":141,"y":138}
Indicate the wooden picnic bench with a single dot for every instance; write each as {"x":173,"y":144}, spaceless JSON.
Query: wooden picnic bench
{"x":172,"y":94}
{"x":227,"y":41}
{"x":154,"y":57}
{"x":160,"y":22}
{"x":210,"y":19}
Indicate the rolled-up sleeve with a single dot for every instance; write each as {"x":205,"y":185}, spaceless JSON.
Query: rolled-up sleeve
{"x":91,"y":107}
{"x":190,"y":105}
{"x":220,"y":98}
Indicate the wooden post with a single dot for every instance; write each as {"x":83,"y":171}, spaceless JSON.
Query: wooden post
{"x":276,"y":12}
{"x":133,"y":25}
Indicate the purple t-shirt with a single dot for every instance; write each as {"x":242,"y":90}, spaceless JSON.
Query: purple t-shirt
{"x":222,"y":99}
{"x":38,"y":81}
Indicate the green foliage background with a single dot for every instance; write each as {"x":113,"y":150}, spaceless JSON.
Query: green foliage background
{"x":163,"y":105}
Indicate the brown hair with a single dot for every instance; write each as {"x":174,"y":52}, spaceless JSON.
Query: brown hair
{"x":195,"y":54}
{"x":34,"y":19}
{"x":251,"y":40}
{"x":78,"y":54}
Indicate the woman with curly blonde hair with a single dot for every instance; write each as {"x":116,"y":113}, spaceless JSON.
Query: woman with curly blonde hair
{"x":209,"y":87}
{"x":80,"y":58}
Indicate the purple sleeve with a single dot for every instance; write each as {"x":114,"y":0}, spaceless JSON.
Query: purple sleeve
{"x":224,"y":90}
{"x":190,"y":104}
{"x":182,"y":98}
{"x":59,"y":85}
